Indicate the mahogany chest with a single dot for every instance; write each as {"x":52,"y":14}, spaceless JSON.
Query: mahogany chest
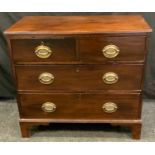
{"x":79,"y":69}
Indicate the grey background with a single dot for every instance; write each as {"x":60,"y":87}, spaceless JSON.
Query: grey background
{"x":7,"y":89}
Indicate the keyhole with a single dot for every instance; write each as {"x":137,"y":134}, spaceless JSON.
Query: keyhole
{"x":77,"y":70}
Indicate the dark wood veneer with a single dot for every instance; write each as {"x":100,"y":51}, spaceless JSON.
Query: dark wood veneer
{"x":65,"y":25}
{"x":79,"y":106}
{"x":62,"y":50}
{"x":78,"y":64}
{"x":131,"y":48}
{"x":79,"y":77}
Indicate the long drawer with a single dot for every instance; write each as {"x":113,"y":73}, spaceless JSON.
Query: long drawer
{"x":80,"y":106}
{"x":78,"y":77}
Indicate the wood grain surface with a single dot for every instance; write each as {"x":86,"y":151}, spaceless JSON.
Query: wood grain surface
{"x":79,"y":25}
{"x":78,"y":65}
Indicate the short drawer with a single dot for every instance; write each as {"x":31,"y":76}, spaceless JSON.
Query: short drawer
{"x":35,"y":50}
{"x":80,"y":106}
{"x":102,"y":49}
{"x":78,"y":77}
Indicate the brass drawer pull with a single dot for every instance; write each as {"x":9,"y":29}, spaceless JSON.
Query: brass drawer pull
{"x":48,"y":107}
{"x":110,"y":78}
{"x":46,"y":78}
{"x":110,"y":51}
{"x":43,"y":51}
{"x":110,"y":107}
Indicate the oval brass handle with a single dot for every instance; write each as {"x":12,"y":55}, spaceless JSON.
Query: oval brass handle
{"x":110,"y":78}
{"x":110,"y":107}
{"x":46,"y":78}
{"x":48,"y":107}
{"x":43,"y":51}
{"x":110,"y":51}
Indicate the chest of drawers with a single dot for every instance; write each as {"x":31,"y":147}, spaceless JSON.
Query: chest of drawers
{"x":79,"y":69}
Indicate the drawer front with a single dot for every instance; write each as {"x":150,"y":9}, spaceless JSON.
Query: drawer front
{"x":101,"y":49}
{"x":79,"y":77}
{"x":80,"y":106}
{"x":53,"y":50}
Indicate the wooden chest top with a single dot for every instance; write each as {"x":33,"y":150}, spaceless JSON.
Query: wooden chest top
{"x":67,"y":25}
